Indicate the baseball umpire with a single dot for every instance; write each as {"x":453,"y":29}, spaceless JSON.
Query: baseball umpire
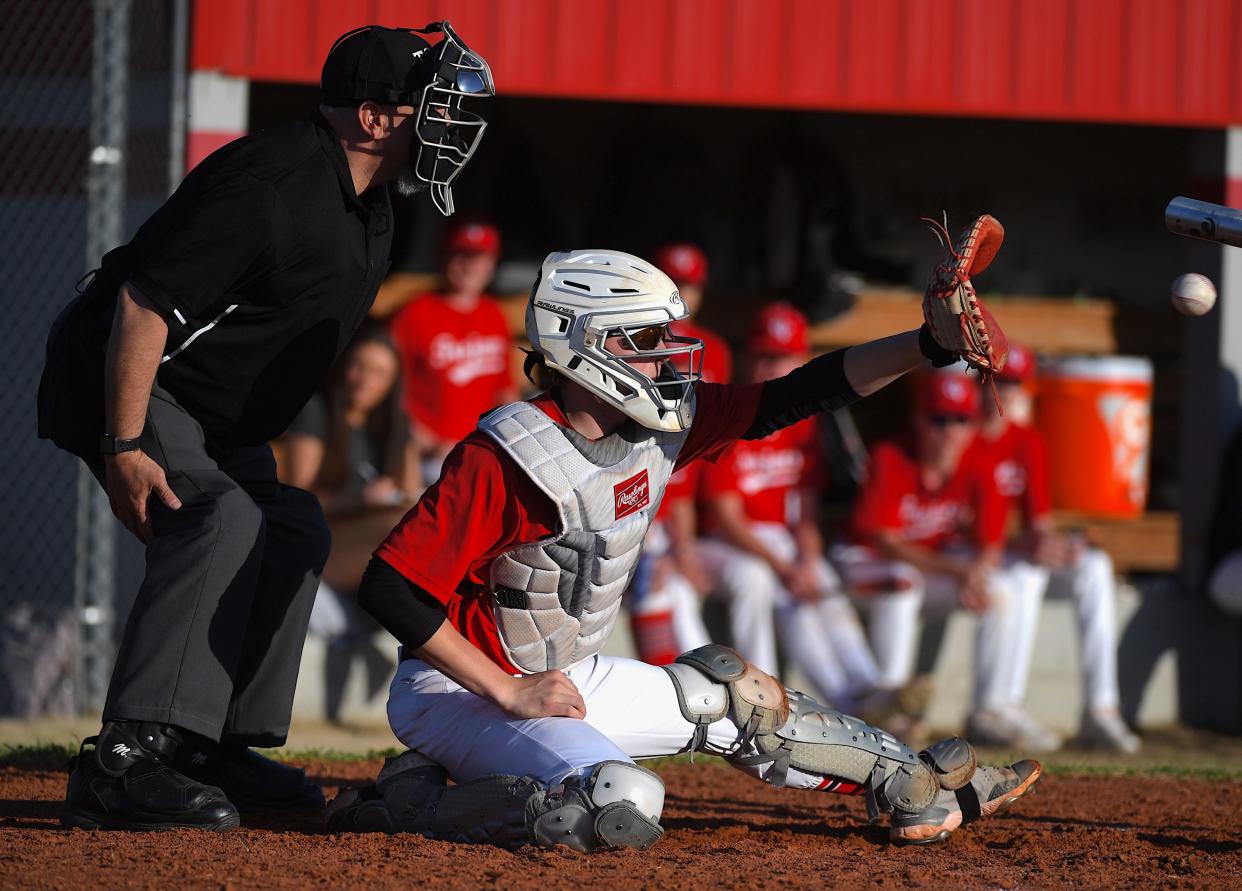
{"x":191,"y":347}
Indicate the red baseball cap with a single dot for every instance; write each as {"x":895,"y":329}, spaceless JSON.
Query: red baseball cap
{"x":471,"y":237}
{"x":778,"y":330}
{"x":946,"y":393}
{"x":683,"y":263}
{"x":1020,"y":366}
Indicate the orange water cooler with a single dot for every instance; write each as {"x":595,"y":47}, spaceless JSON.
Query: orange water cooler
{"x":1095,"y":414}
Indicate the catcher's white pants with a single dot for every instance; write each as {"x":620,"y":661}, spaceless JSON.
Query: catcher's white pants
{"x":824,"y":639}
{"x":631,"y":713}
{"x":1092,"y":585}
{"x":895,"y":593}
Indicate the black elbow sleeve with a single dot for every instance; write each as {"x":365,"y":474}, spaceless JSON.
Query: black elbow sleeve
{"x":406,"y":611}
{"x":819,"y":385}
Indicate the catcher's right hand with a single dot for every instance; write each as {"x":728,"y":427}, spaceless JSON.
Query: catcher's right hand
{"x":956,"y":318}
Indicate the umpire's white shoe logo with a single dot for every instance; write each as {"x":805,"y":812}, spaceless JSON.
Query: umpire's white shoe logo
{"x":198,"y":758}
{"x":121,"y":749}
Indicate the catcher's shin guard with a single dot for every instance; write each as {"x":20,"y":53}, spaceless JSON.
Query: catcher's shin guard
{"x":616,"y":805}
{"x":791,"y":730}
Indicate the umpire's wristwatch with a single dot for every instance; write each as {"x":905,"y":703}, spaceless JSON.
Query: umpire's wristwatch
{"x":110,"y":445}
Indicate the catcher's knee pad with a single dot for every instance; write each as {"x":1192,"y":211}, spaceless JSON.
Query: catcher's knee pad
{"x":616,"y":805}
{"x":715,"y":682}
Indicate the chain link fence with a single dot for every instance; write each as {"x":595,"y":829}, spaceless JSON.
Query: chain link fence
{"x":91,"y":117}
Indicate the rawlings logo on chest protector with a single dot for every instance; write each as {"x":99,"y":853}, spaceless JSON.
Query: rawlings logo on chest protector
{"x":632,"y":495}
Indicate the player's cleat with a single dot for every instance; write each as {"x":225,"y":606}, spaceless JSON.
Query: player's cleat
{"x":1104,"y":729}
{"x":126,"y":781}
{"x":1011,"y":728}
{"x":247,"y":778}
{"x":990,"y":791}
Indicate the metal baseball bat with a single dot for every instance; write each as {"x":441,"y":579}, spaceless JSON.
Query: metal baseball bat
{"x":1200,"y":219}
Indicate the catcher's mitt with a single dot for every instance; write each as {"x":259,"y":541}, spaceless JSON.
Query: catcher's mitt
{"x":955,"y":316}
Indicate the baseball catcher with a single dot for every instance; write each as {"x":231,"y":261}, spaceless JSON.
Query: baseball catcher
{"x":504,"y":582}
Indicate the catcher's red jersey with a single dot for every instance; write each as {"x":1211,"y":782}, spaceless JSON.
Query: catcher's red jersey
{"x":484,"y":505}
{"x":770,"y":474}
{"x":1019,"y":463}
{"x":456,"y":364}
{"x":894,"y":500}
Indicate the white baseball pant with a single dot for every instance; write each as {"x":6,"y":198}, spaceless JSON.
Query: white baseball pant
{"x":1093,"y":586}
{"x":671,"y":594}
{"x":895,"y":595}
{"x":824,"y":639}
{"x":632,"y":713}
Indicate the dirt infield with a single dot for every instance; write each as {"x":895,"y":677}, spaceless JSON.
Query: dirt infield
{"x":723,"y":830}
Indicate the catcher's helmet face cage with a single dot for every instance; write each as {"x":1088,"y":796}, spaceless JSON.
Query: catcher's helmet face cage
{"x":585,"y":299}
{"x":447,"y":134}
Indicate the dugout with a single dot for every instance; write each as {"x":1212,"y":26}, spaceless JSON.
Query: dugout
{"x":767,"y":134}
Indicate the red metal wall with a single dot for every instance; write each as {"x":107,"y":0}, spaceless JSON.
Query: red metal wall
{"x":1136,"y":61}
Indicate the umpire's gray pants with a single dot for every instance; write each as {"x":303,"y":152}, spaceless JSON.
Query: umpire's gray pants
{"x":215,"y":636}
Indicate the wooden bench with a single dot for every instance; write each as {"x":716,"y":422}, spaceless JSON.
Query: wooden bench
{"x":1050,"y":325}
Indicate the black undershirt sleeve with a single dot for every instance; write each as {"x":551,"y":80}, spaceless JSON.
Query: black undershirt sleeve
{"x":406,"y":611}
{"x":819,"y":385}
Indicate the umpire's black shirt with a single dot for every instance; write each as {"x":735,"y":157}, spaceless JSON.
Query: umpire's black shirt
{"x":264,"y":263}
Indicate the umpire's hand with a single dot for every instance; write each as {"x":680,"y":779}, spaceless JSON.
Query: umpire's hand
{"x":132,"y":480}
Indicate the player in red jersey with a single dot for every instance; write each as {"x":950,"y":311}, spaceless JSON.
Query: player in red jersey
{"x":504,"y":581}
{"x":1061,"y":564}
{"x":765,"y":545}
{"x":928,"y":534}
{"x":455,"y":346}
{"x":686,"y":265}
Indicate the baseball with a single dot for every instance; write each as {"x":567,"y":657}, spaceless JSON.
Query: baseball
{"x":1193,"y":294}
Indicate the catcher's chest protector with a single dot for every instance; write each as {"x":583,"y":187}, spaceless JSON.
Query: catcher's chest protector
{"x":555,"y":601}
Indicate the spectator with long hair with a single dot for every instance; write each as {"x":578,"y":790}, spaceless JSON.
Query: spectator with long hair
{"x":351,"y":446}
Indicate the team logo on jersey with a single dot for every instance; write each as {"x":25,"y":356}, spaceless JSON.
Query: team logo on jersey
{"x":1010,"y":478}
{"x":632,"y":495}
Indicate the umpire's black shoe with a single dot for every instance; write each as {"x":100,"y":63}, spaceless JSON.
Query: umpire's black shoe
{"x":127,"y":782}
{"x":249,"y":779}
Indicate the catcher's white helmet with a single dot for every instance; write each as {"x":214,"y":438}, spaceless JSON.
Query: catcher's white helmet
{"x":584,"y":297}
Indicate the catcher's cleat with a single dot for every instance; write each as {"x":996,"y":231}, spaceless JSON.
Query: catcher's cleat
{"x":126,"y":781}
{"x":990,"y":791}
{"x":247,"y":778}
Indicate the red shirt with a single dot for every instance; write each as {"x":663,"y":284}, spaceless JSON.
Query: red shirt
{"x":485,"y":505}
{"x":456,"y":364}
{"x":770,"y":474}
{"x":717,"y":357}
{"x":1019,"y":462}
{"x":894,"y":500}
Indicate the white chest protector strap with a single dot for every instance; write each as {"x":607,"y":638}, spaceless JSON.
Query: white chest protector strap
{"x":555,"y":601}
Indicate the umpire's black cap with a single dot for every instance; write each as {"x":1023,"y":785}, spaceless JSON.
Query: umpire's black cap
{"x":388,"y":65}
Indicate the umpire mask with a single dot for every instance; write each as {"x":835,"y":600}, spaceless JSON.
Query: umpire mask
{"x":448,"y":134}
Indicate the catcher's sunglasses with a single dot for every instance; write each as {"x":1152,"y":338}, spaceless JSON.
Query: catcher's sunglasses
{"x":642,"y":340}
